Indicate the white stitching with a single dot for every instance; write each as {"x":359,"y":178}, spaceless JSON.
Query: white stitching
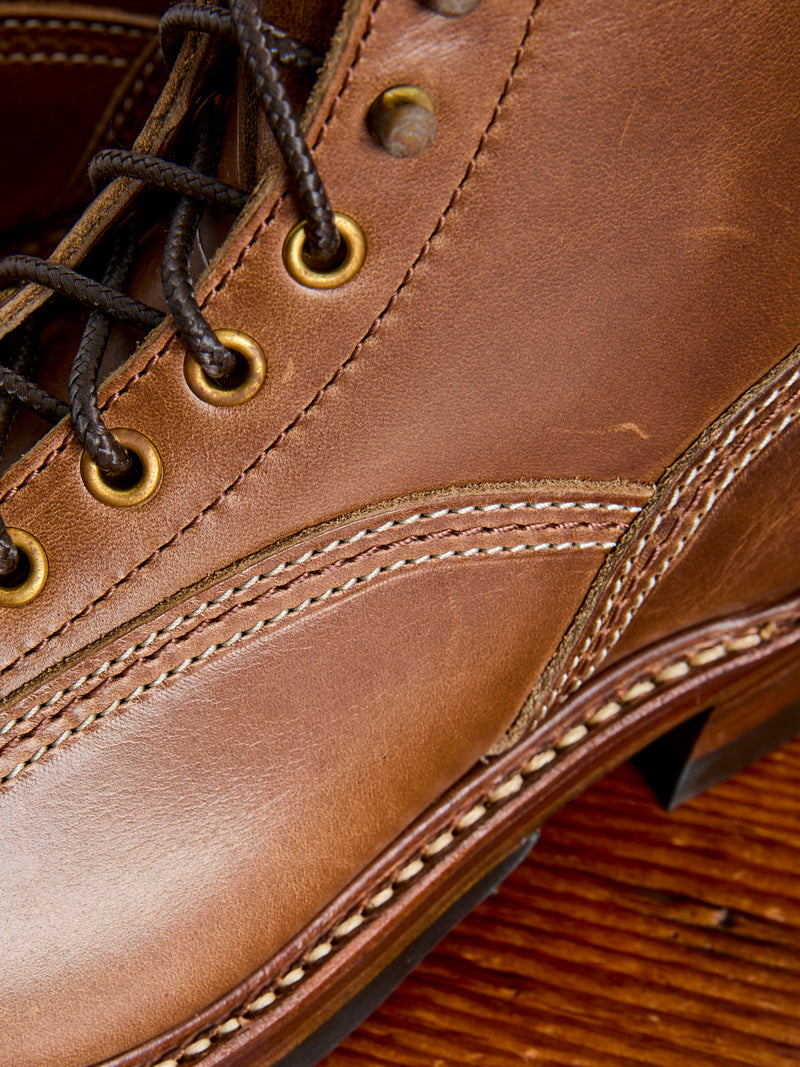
{"x":611,"y":602}
{"x":304,"y":558}
{"x":463,"y":825}
{"x":76,"y":24}
{"x":286,"y":613}
{"x":134,"y":94}
{"x":78,"y":59}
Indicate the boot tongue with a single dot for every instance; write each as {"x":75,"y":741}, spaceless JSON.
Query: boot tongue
{"x":249,"y":149}
{"x":311,"y":21}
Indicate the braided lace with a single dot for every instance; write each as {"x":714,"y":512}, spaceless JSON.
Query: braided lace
{"x":262,"y":48}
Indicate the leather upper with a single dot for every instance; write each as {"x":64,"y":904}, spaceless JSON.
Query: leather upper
{"x":273,"y":734}
{"x":508,"y":408}
{"x":349,"y":589}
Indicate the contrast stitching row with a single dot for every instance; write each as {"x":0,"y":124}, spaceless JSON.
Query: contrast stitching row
{"x":612,"y":602}
{"x":261,"y":458}
{"x":76,"y":24}
{"x":144,"y":80}
{"x":75,"y":58}
{"x":289,"y":613}
{"x":306,"y":557}
{"x":645,"y":687}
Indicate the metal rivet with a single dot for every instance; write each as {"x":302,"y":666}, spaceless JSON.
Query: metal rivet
{"x":402,"y":120}
{"x":355,"y":243}
{"x":245,"y":387}
{"x":31,"y":585}
{"x":125,"y":496}
{"x":452,"y":8}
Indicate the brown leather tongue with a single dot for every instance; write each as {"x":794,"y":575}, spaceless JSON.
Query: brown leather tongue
{"x":249,"y":149}
{"x":310,"y":21}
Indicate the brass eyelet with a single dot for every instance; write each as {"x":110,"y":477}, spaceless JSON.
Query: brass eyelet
{"x":210,"y":391}
{"x":355,"y":253}
{"x":114,"y":496}
{"x":15,"y":596}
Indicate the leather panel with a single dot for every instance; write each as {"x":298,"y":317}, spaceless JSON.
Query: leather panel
{"x":242,"y":500}
{"x":718,"y":533}
{"x":625,"y":361}
{"x":186,"y":836}
{"x":747,"y":551}
{"x":535,"y":304}
{"x":37,"y":721}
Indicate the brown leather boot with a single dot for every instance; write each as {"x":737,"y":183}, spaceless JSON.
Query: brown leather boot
{"x":73,"y":79}
{"x":400,"y":529}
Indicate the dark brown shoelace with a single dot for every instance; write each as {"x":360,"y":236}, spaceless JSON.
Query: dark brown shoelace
{"x":262,"y":48}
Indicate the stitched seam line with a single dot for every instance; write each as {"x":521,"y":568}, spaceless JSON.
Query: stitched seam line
{"x":76,"y":24}
{"x":416,"y":540}
{"x":524,"y":777}
{"x":134,"y":95}
{"x":318,"y":396}
{"x":77,"y":58}
{"x":286,"y":613}
{"x":615,"y":595}
{"x":687,"y":536}
{"x":306,"y":557}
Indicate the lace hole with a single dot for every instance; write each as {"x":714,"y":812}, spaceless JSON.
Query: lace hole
{"x":29,"y":579}
{"x":304,"y":272}
{"x":246,"y":380}
{"x":133,"y":488}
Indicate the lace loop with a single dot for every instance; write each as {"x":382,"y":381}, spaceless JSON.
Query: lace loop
{"x":116,"y":162}
{"x":78,"y":287}
{"x":262,"y":48}
{"x":257,"y":45}
{"x":217,"y":362}
{"x":96,"y":439}
{"x":183,"y":18}
{"x":38,"y":400}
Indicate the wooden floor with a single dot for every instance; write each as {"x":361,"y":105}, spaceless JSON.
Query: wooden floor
{"x":628,"y":937}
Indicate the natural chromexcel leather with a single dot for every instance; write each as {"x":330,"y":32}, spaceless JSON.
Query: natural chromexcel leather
{"x":281,"y":800}
{"x":560,"y":297}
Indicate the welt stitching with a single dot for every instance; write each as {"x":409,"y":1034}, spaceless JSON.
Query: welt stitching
{"x":261,"y":458}
{"x":316,"y":553}
{"x":627,"y":581}
{"x":214,"y":649}
{"x":461,"y":828}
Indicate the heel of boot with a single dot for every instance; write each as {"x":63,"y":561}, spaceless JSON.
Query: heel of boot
{"x":745,"y":721}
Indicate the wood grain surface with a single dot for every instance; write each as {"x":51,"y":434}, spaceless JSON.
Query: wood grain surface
{"x":628,"y":937}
